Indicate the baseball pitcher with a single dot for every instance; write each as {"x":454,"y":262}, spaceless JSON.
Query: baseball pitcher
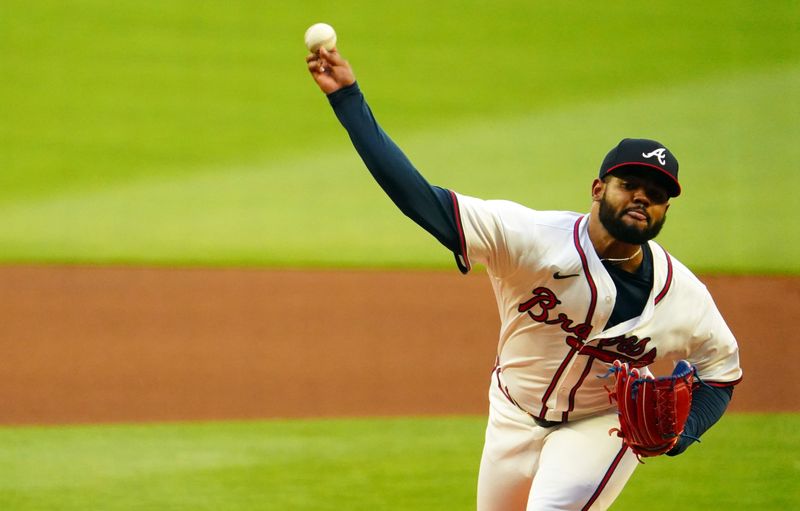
{"x":587,"y":302}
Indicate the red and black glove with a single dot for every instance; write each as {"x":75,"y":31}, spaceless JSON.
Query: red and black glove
{"x":652,"y":411}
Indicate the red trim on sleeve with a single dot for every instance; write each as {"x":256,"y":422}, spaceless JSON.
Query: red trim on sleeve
{"x":462,"y":242}
{"x":668,"y":283}
{"x":722,"y":383}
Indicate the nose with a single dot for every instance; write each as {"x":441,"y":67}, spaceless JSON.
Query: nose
{"x":640,"y":196}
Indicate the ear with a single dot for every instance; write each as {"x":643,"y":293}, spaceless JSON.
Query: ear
{"x":598,"y":188}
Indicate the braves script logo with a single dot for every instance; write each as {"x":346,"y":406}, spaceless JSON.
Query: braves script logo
{"x":626,"y":349}
{"x":659,"y":153}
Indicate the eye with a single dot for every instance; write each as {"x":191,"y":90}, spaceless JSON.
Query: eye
{"x":657,"y":195}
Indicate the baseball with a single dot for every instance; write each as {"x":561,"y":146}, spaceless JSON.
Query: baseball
{"x":320,"y":35}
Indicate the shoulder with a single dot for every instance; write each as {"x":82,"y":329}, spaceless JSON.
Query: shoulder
{"x":684,"y":283}
{"x":514,"y":214}
{"x":686,"y":278}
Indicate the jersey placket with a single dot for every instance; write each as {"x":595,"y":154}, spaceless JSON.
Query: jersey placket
{"x":574,"y":369}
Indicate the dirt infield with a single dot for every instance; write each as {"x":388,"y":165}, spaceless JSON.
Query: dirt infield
{"x":119,"y":344}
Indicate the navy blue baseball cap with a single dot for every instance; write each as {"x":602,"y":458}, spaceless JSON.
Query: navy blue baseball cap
{"x":645,"y":155}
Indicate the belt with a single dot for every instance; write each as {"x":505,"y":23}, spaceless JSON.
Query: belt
{"x":546,"y":423}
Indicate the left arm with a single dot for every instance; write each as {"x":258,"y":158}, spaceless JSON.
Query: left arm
{"x":708,"y":405}
{"x":715,"y":356}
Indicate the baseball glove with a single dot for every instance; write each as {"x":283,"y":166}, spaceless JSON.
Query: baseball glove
{"x":652,"y":411}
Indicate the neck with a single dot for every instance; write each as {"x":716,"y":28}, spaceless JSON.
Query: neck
{"x":625,"y":256}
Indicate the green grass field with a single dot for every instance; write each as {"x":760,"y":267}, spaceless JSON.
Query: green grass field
{"x":746,"y":462}
{"x":177,"y":133}
{"x":189,"y":133}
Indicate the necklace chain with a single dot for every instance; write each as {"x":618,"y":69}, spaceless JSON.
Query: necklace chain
{"x":622,"y":259}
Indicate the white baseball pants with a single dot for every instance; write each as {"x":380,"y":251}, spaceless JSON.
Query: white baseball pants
{"x":572,"y":466}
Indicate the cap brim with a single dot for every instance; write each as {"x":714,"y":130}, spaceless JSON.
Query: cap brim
{"x":672,"y":185}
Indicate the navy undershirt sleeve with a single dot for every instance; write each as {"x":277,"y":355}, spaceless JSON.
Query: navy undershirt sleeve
{"x":708,"y":405}
{"x":429,"y":206}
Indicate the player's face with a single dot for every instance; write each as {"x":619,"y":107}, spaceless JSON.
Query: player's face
{"x":633,"y":208}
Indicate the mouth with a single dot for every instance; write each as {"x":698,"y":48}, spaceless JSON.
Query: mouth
{"x":637,"y":214}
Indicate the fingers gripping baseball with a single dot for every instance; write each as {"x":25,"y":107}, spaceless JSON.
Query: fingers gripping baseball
{"x":330,"y":70}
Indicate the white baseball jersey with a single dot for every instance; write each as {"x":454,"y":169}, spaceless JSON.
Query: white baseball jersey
{"x":554,"y":297}
{"x":548,"y":444}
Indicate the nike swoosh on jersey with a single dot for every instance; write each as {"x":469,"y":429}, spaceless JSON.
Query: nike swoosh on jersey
{"x":558,"y":276}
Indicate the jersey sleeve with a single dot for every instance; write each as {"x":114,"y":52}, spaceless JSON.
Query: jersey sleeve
{"x":715,"y":352}
{"x":487,"y":232}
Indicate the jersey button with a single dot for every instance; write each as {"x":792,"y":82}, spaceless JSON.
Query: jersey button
{"x":608,"y":299}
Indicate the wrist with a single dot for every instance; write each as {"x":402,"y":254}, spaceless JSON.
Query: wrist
{"x":683,"y":443}
{"x":340,"y":95}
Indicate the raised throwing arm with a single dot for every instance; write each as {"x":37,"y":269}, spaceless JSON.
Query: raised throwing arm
{"x":429,"y":206}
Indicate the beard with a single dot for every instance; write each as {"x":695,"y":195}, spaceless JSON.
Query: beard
{"x":626,"y":233}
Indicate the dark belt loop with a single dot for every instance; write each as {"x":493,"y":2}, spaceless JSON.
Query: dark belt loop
{"x":545,"y":423}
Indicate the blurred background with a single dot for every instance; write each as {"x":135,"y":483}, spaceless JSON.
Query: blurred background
{"x":207,"y":303}
{"x":190,"y":133}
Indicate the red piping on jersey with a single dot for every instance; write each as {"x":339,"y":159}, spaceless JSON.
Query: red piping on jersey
{"x":504,"y":389}
{"x":668,"y":284}
{"x":661,"y":294}
{"x":606,"y":477}
{"x":556,"y":377}
{"x":593,"y":302}
{"x":585,"y":263}
{"x":462,"y":243}
{"x":575,"y":389}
